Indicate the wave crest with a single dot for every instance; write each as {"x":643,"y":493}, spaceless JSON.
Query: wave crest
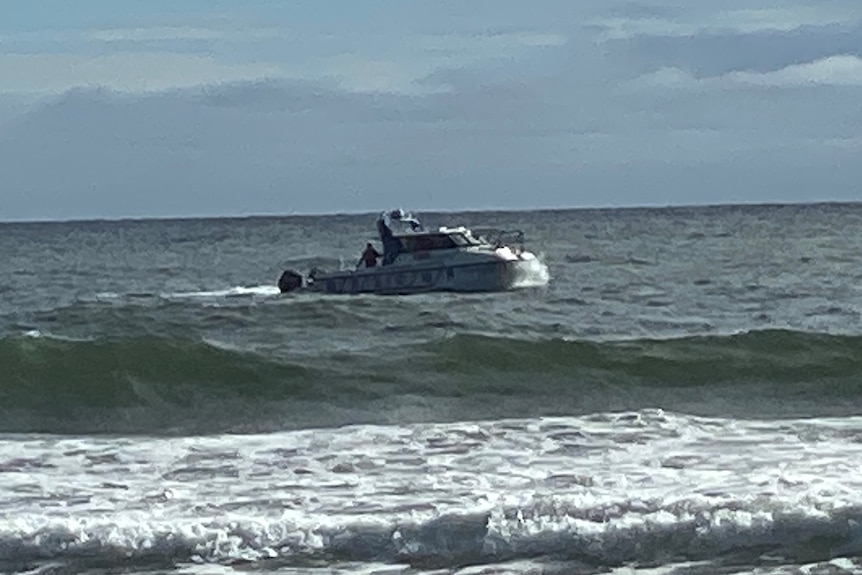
{"x":769,"y":356}
{"x":155,"y":384}
{"x":646,"y":534}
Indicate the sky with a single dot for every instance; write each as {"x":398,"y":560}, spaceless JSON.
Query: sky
{"x":157,"y":108}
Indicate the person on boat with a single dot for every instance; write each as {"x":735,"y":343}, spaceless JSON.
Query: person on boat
{"x":369,"y":256}
{"x":391,"y":244}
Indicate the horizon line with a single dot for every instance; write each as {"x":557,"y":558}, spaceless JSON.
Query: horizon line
{"x":351,"y":213}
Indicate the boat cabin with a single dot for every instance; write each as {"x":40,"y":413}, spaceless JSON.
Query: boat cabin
{"x":443,"y":240}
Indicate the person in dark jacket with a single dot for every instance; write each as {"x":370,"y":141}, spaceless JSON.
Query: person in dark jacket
{"x":369,"y":256}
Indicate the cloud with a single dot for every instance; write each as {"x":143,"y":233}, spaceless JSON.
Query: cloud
{"x":203,"y":40}
{"x":717,"y":54}
{"x":134,"y":72}
{"x":665,"y":78}
{"x":174,"y":33}
{"x":357,"y":73}
{"x":299,"y":146}
{"x":841,"y":70}
{"x":485,"y":43}
{"x":722,"y":20}
{"x":163,"y":57}
{"x":692,"y":102}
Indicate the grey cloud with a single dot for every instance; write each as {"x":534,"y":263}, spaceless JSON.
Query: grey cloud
{"x":642,"y":10}
{"x":717,"y":54}
{"x":309,"y":98}
{"x":294,"y":147}
{"x":565,"y":126}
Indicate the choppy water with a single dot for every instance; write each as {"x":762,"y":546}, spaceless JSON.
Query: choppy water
{"x":683,"y":396}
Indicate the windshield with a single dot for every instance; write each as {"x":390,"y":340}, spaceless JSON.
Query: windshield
{"x":427,"y":242}
{"x":462,"y":240}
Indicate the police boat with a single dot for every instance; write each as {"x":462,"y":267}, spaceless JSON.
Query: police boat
{"x":416,"y":260}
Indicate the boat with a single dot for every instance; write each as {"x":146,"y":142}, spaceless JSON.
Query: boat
{"x":417,"y":260}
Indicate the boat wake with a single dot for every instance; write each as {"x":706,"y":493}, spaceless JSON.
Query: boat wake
{"x":238,"y":291}
{"x":533,"y":273}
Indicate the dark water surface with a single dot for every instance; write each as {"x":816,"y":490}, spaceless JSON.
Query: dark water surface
{"x":684,"y":395}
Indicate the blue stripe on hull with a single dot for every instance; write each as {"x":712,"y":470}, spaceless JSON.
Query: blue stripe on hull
{"x":487,"y":276}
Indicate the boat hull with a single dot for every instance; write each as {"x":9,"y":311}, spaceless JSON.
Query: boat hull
{"x":486,"y":276}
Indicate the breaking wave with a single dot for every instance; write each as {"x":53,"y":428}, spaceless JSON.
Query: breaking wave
{"x":634,"y":533}
{"x":156,"y":384}
{"x":777,"y":357}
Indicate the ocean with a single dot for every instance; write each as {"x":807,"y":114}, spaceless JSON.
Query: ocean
{"x":681,"y":394}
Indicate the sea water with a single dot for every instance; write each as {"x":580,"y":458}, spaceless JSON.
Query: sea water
{"x":681,"y":394}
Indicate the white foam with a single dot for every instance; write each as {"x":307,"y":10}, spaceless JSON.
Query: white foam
{"x":535,"y":272}
{"x":617,"y":487}
{"x":107,"y":295}
{"x":39,"y":334}
{"x":263,"y":290}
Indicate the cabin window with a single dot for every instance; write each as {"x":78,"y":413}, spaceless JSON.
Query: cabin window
{"x":462,"y":240}
{"x":422,"y":243}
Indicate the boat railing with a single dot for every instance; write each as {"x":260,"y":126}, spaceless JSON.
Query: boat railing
{"x":499,"y":237}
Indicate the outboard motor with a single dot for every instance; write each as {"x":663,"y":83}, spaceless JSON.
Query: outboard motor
{"x":289,"y":281}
